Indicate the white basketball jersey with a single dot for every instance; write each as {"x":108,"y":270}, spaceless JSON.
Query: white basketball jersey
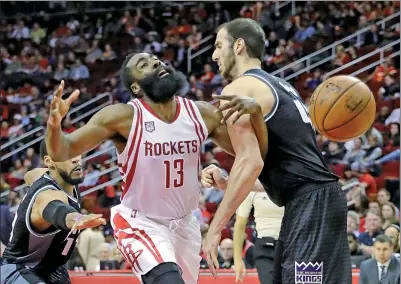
{"x":160,"y":163}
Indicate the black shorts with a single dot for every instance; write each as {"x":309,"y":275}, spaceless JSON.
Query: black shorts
{"x":312,"y":246}
{"x":21,"y":274}
{"x":264,"y":253}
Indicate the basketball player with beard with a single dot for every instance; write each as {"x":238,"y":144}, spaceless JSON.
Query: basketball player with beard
{"x":47,"y":224}
{"x":312,"y":246}
{"x":158,"y":136}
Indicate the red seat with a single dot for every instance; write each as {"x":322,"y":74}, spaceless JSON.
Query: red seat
{"x":211,"y":207}
{"x":380,"y":181}
{"x":391,"y":169}
{"x":226,"y":234}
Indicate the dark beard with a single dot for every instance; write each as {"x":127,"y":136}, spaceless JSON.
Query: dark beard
{"x":229,"y":65}
{"x":161,"y":90}
{"x":68,"y":179}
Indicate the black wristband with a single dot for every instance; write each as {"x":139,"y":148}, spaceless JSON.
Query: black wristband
{"x":55,"y":213}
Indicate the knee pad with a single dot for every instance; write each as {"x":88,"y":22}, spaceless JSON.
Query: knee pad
{"x":164,"y":273}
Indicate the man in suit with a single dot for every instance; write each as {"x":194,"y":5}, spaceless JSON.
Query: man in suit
{"x":383,"y":268}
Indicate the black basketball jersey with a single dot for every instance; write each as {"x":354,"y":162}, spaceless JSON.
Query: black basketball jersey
{"x":46,"y":251}
{"x":293,"y":160}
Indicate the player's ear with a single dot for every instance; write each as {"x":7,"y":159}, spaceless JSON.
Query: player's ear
{"x":239,"y":46}
{"x":49,"y":162}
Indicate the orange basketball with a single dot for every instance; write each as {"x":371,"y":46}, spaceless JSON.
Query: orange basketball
{"x":342,"y":108}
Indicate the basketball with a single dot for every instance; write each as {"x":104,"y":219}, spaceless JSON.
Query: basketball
{"x":342,"y":108}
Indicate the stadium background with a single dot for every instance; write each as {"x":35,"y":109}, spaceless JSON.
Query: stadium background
{"x":85,"y":43}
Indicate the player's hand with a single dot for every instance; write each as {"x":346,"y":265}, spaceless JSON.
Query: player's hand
{"x":210,"y":246}
{"x":76,"y":221}
{"x":240,"y":104}
{"x":60,"y":107}
{"x":212,"y":176}
{"x":240,"y":271}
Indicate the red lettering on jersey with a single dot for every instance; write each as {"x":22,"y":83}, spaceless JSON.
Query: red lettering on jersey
{"x":187,"y":142}
{"x":148,"y":149}
{"x":171,"y":148}
{"x":194,"y":146}
{"x":158,"y":149}
{"x":165,"y":149}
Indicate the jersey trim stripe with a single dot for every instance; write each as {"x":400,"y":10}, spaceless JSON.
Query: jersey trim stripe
{"x":197,"y":120}
{"x":138,"y":128}
{"x":28,"y":213}
{"x":190,"y":116}
{"x":123,"y":155}
{"x":276,"y":101}
{"x":132,"y":169}
{"x":140,"y":235}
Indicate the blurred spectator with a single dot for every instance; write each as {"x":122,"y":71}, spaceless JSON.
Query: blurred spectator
{"x":37,"y":33}
{"x":383,"y":267}
{"x":20,"y":31}
{"x":373,"y":229}
{"x":88,"y":246}
{"x":394,"y":117}
{"x":61,"y":72}
{"x":305,"y":31}
{"x":91,"y":175}
{"x":312,"y":82}
{"x":118,"y":256}
{"x":387,"y":68}
{"x":383,"y":196}
{"x":373,"y":37}
{"x":342,"y":57}
{"x":383,"y":114}
{"x":390,"y":90}
{"x":335,"y":153}
{"x":33,"y":157}
{"x":353,"y":223}
{"x":108,"y":53}
{"x":393,"y":231}
{"x":375,"y":207}
{"x":93,"y":53}
{"x":353,"y":244}
{"x":355,"y":155}
{"x":389,"y":214}
{"x":79,"y":71}
{"x":227,"y":254}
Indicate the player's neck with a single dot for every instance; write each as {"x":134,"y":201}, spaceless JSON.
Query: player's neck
{"x":166,"y":111}
{"x":68,"y":188}
{"x":245,"y":65}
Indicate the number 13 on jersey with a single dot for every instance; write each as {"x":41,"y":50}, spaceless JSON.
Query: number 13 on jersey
{"x":174,"y":173}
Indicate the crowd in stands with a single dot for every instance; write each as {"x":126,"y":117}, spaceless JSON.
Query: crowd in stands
{"x":47,"y":42}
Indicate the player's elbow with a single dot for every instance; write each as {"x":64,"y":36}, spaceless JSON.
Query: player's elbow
{"x":253,"y":162}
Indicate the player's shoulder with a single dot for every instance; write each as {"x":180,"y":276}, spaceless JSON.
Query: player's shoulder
{"x":116,"y":113}
{"x":248,"y":86}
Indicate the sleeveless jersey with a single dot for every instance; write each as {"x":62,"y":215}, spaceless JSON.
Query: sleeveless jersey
{"x":293,"y":160}
{"x":46,"y":251}
{"x":160,"y":162}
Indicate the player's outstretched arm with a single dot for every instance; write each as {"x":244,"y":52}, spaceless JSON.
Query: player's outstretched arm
{"x":51,"y":208}
{"x":212,"y":176}
{"x":33,"y":175}
{"x":102,"y":126}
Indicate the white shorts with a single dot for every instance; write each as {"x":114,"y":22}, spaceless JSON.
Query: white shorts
{"x":147,"y":242}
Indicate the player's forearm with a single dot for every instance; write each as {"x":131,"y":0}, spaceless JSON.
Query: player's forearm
{"x":242,"y":178}
{"x":260,"y":128}
{"x":57,"y":143}
{"x":238,"y":240}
